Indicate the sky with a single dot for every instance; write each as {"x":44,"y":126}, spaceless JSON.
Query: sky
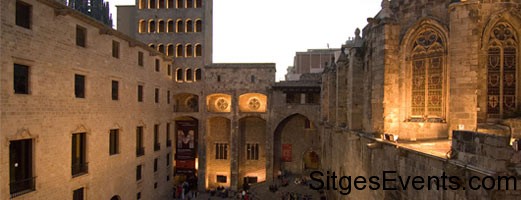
{"x":271,"y":31}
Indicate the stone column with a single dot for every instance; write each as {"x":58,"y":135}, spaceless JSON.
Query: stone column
{"x":234,"y":143}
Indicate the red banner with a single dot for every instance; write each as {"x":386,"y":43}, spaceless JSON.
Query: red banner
{"x":286,"y":152}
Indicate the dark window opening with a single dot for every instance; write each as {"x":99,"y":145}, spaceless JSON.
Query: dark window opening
{"x":179,"y":50}
{"x":115,"y":90}
{"x":179,"y":74}
{"x":138,"y":175}
{"x":250,"y":179}
{"x":198,"y":74}
{"x":79,"y":154}
{"x":199,"y":3}
{"x":169,"y":70}
{"x":179,"y":27}
{"x":218,"y":78}
{"x":313,"y":98}
{"x":140,"y":58}
{"x":168,"y":97}
{"x":252,"y":151}
{"x":114,"y":142}
{"x":158,"y":65}
{"x":23,"y":14}
{"x":293,"y":97}
{"x":81,"y":36}
{"x":21,"y":79}
{"x":140,"y":150}
{"x":170,"y":3}
{"x":198,"y":26}
{"x":115,"y":49}
{"x":161,"y":48}
{"x":157,"y":145}
{"x":168,"y":141}
{"x":307,"y":124}
{"x":155,"y":164}
{"x":252,"y":79}
{"x":161,"y":26}
{"x":179,"y":4}
{"x":198,"y":50}
{"x":189,"y":75}
{"x":170,"y":26}
{"x":156,"y":95}
{"x":168,"y":159}
{"x":189,"y":51}
{"x":155,"y":185}
{"x":189,"y":26}
{"x":138,"y":195}
{"x":189,"y":4}
{"x":151,"y":26}
{"x":221,"y":151}
{"x":151,"y":3}
{"x":79,"y":86}
{"x":140,"y":93}
{"x":161,"y":3}
{"x":221,"y":179}
{"x":21,"y":178}
{"x":78,"y":194}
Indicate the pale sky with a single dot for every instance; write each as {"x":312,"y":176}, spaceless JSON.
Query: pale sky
{"x":259,"y":31}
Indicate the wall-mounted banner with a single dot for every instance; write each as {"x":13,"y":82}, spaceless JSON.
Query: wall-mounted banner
{"x":186,"y":140}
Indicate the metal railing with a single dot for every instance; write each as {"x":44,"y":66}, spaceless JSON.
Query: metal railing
{"x":79,"y":169}
{"x":140,"y":151}
{"x":20,"y":187}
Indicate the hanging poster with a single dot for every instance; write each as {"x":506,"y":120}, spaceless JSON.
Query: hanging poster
{"x":186,"y":140}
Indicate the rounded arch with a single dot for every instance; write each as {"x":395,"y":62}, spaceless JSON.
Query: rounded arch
{"x":161,"y":48}
{"x":115,"y":197}
{"x":198,"y":50}
{"x":413,"y":31}
{"x":189,"y":77}
{"x":161,"y":26}
{"x":198,"y":74}
{"x":189,"y":25}
{"x":151,"y":26}
{"x":179,"y":75}
{"x":179,"y":26}
{"x":186,"y":102}
{"x":198,"y":25}
{"x":189,"y":50}
{"x":152,"y":45}
{"x":142,"y":26}
{"x":253,"y":102}
{"x":219,"y":102}
{"x":169,"y":49}
{"x":179,"y":50}
{"x":142,"y":4}
{"x":170,"y":26}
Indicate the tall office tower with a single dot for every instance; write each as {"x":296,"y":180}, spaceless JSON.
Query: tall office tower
{"x":178,"y":28}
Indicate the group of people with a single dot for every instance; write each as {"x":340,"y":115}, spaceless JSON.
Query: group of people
{"x":187,"y":190}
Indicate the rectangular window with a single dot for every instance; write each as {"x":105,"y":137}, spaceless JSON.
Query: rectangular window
{"x":115,"y":90}
{"x":139,"y":195}
{"x":140,"y":93}
{"x":114,"y":142}
{"x":252,"y":151}
{"x":81,"y":36}
{"x":78,"y":194}
{"x":138,"y":173}
{"x":169,"y":70}
{"x":140,"y":150}
{"x":293,"y":98}
{"x":168,"y":141}
{"x":156,"y":95}
{"x":168,"y":157}
{"x":79,"y":86}
{"x":221,"y":179}
{"x":157,"y":65}
{"x":168,"y":97}
{"x":307,"y":124}
{"x":23,"y":14}
{"x":115,"y":49}
{"x":221,"y":151}
{"x":155,"y":164}
{"x":140,"y":58}
{"x":157,"y":146}
{"x":21,"y":79}
{"x":79,"y":154}
{"x":21,"y":178}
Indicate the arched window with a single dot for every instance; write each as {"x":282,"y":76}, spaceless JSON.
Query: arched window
{"x":115,"y":197}
{"x":179,"y":26}
{"x":170,"y":50}
{"x":161,"y":48}
{"x":151,"y":26}
{"x":170,"y":4}
{"x":142,"y":4}
{"x":198,"y":3}
{"x":161,"y":3}
{"x":179,"y":50}
{"x":170,"y":26}
{"x":189,"y":26}
{"x":189,"y":50}
{"x":189,"y":4}
{"x":179,"y":75}
{"x":152,"y":45}
{"x":179,"y":4}
{"x":151,"y":4}
{"x":198,"y":25}
{"x":198,"y":50}
{"x":198,"y":74}
{"x":161,"y":26}
{"x":502,"y":71}
{"x":189,"y":75}
{"x":142,"y":26}
{"x":428,"y":75}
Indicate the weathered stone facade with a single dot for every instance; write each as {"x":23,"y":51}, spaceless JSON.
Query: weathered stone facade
{"x":419,"y":71}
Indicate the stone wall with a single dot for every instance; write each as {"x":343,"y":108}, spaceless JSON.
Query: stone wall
{"x":50,"y":113}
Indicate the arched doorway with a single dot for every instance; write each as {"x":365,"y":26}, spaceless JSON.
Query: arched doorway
{"x":296,"y":145}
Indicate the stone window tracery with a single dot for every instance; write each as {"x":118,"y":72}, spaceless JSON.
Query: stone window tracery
{"x":428,"y":72}
{"x":501,"y":72}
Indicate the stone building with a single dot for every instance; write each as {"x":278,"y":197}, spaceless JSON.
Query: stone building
{"x":427,"y":87}
{"x":310,"y":61}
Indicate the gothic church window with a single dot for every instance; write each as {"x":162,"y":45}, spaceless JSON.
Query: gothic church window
{"x":501,"y":71}
{"x":428,"y":61}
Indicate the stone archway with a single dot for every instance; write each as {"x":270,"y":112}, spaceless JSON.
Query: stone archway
{"x":294,"y":138}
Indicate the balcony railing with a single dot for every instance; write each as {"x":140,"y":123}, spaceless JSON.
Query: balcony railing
{"x":79,"y":169}
{"x":20,"y":187}
{"x":157,"y":147}
{"x":140,"y":151}
{"x":168,"y":143}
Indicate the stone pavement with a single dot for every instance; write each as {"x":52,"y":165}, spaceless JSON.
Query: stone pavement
{"x":261,"y":191}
